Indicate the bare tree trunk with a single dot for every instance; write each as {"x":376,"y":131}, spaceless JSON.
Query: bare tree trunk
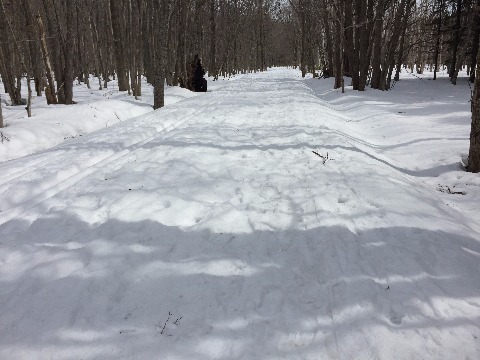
{"x":303,"y":32}
{"x":8,"y":73}
{"x":171,"y":53}
{"x":212,"y":71}
{"x":119,"y":44}
{"x":69,"y":52}
{"x":338,"y":53}
{"x":96,"y":39}
{"x":437,"y":42}
{"x":401,"y":50}
{"x":38,"y":86}
{"x":1,"y":114}
{"x":35,"y":59}
{"x":342,"y":46}
{"x":377,"y":45}
{"x":456,"y":43}
{"x":474,"y":153}
{"x":400,"y":56}
{"x":12,"y":67}
{"x":50,"y":94}
{"x":351,"y":49}
{"x":138,"y":47}
{"x":3,"y":70}
{"x":475,"y":41}
{"x":460,"y":61}
{"x":131,"y":45}
{"x":401,"y":18}
{"x":181,"y":61}
{"x":260,"y":36}
{"x":29,"y":98}
{"x":161,"y":21}
{"x":362,"y":50}
{"x":328,"y":71}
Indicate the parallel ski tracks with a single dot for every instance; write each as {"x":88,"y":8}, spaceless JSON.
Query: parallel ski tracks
{"x":63,"y":184}
{"x":29,"y":167}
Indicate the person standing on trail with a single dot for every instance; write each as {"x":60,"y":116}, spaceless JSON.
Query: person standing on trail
{"x":199,"y":83}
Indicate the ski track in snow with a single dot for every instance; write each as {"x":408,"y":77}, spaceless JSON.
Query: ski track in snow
{"x":209,"y":230}
{"x":82,"y":170}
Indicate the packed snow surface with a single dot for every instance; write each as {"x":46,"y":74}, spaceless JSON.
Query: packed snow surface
{"x":210,"y":229}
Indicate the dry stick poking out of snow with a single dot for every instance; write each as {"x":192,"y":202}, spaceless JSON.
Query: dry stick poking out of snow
{"x":3,"y":137}
{"x":325,"y":158}
{"x":446,"y":189}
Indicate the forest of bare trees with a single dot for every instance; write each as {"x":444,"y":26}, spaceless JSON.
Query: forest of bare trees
{"x":370,"y":40}
{"x":53,"y":43}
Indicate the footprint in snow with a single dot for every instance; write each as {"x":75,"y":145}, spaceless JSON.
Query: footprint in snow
{"x":239,"y":193}
{"x":395,"y":318}
{"x":342,"y":200}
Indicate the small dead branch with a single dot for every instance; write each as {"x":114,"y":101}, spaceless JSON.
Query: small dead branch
{"x":165,"y":325}
{"x":446,"y":189}
{"x":166,"y":329}
{"x":177,"y":322}
{"x":3,"y":137}
{"x":324,"y":158}
{"x":71,"y":137}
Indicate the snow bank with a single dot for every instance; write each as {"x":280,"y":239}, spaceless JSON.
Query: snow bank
{"x":96,"y":109}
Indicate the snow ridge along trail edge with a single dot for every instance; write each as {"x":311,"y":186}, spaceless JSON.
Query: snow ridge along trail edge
{"x":84,"y":169}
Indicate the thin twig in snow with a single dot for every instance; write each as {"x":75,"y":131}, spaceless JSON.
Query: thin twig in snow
{"x":165,"y":325}
{"x":325,"y":158}
{"x":3,"y":137}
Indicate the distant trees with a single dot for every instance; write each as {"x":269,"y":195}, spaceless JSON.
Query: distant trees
{"x":370,"y":40}
{"x":54,"y":42}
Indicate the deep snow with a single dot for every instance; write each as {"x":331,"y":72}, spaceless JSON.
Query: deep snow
{"x":210,"y":230}
{"x":50,"y":125}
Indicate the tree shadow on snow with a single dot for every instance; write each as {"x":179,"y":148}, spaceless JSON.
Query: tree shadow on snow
{"x":144,"y":290}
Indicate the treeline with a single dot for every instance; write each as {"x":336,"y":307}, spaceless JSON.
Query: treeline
{"x":370,"y":40}
{"x":52,"y":43}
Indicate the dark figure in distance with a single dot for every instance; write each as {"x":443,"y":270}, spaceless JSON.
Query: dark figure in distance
{"x":199,"y":84}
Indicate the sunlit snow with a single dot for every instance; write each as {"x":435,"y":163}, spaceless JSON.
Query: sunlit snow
{"x":210,"y":230}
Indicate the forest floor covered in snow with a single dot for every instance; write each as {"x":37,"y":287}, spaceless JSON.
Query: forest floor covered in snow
{"x":270,"y":218}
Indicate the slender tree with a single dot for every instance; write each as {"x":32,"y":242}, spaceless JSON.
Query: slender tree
{"x":437,"y":42}
{"x":212,"y":68}
{"x":475,"y":26}
{"x":377,"y":45}
{"x":1,"y":114}
{"x":118,"y":19}
{"x":474,"y":153}
{"x":69,"y":52}
{"x":161,"y":20}
{"x":50,"y":90}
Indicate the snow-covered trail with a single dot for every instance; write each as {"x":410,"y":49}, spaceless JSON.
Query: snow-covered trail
{"x":210,"y":230}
